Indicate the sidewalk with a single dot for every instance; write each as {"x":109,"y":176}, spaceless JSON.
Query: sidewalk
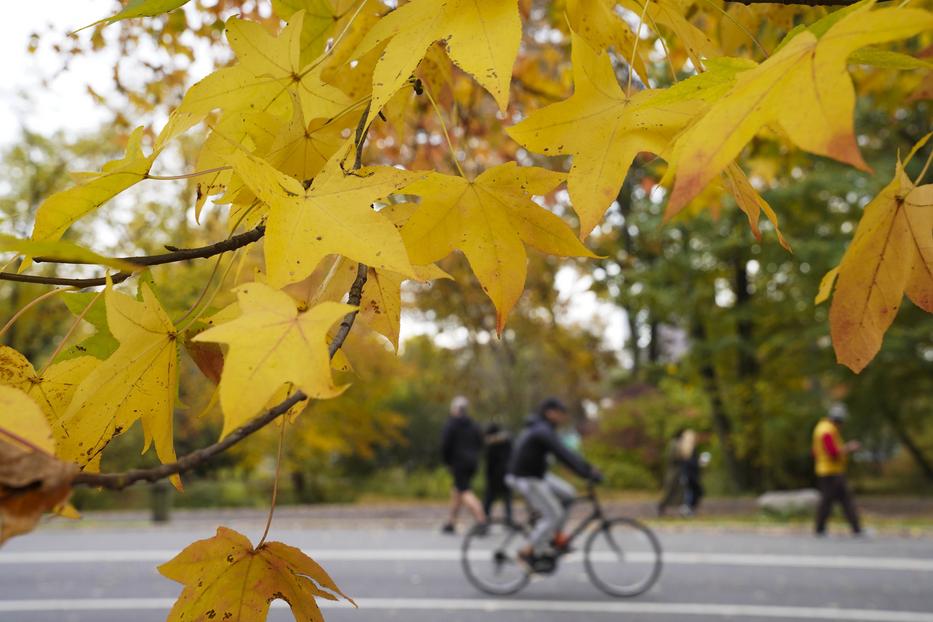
{"x":897,"y":515}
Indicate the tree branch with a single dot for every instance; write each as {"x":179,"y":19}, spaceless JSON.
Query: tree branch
{"x":175,"y":255}
{"x":119,"y":481}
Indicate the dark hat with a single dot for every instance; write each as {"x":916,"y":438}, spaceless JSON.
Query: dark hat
{"x":551,"y":403}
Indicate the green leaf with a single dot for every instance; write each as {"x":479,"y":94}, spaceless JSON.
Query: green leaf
{"x":139,"y":8}
{"x":887,"y":59}
{"x":65,"y":252}
{"x":102,"y":343}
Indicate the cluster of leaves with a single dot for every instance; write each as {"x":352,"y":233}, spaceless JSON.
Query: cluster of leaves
{"x":288,"y":122}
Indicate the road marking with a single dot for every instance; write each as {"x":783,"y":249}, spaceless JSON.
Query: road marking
{"x":447,"y":555}
{"x":494,"y":605}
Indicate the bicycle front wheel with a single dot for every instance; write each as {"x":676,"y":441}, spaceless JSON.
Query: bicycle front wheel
{"x":489,"y":557}
{"x":622,"y":557}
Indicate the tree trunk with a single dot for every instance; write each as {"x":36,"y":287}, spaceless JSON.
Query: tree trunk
{"x":747,"y":374}
{"x":721,"y":424}
{"x":905,"y":439}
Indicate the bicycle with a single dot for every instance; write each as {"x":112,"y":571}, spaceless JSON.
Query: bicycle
{"x":622,"y":556}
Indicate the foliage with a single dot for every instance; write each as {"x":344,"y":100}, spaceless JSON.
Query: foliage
{"x":290,"y":123}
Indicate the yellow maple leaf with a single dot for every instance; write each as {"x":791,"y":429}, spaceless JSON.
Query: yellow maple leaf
{"x":597,"y":22}
{"x":891,"y":254}
{"x":481,"y":37}
{"x":267,"y":78}
{"x":603,"y":128}
{"x":323,"y":20}
{"x":62,"y":209}
{"x":488,"y":218}
{"x":672,"y":14}
{"x":137,"y":382}
{"x":53,"y":390}
{"x":272,"y":343}
{"x":805,"y":88}
{"x":22,"y":417}
{"x":225,"y":578}
{"x":331,"y":216}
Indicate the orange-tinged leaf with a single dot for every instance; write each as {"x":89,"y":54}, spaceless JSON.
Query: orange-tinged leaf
{"x":225,"y":578}
{"x":891,"y":253}
{"x":488,"y":219}
{"x":32,"y":481}
{"x":804,"y":87}
{"x":137,"y":382}
{"x":332,"y":216}
{"x":271,"y":344}
{"x":751,"y":202}
{"x":481,"y":36}
{"x":603,"y":129}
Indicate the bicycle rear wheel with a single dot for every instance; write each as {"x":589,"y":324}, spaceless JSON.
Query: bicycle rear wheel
{"x":622,"y":557}
{"x":489,"y":557}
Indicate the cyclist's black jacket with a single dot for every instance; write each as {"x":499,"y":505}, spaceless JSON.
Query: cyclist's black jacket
{"x":537,"y":440}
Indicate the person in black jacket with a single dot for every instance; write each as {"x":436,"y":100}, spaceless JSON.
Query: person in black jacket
{"x":461,"y":444}
{"x":497,"y":454}
{"x":548,"y":494}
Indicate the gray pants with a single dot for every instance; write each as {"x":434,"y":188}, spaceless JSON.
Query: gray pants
{"x":550,"y":497}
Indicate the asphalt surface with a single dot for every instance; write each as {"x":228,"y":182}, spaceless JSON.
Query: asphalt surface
{"x":107,"y":574}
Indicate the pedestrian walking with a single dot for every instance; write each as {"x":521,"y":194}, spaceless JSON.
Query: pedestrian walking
{"x":496,"y":458}
{"x":673,"y":470}
{"x":831,"y":456}
{"x":461,"y":445}
{"x":690,"y":472}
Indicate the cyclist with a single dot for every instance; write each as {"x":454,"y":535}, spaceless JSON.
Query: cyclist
{"x":549,"y":495}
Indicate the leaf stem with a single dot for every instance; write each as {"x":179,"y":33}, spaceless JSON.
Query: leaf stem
{"x":74,"y":325}
{"x":189,"y":175}
{"x":275,"y":483}
{"x":440,"y":117}
{"x":30,"y":305}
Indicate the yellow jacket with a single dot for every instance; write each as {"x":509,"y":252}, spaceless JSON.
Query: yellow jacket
{"x":825,"y":462}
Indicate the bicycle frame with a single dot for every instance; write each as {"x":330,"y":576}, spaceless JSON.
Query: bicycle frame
{"x":596,"y":515}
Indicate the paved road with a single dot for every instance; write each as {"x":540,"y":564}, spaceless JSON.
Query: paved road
{"x":108,"y":574}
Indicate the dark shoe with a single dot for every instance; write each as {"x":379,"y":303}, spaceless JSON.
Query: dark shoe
{"x":448,"y":528}
{"x":528,"y":560}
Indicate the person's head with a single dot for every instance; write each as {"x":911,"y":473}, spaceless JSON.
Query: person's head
{"x":553,"y":410}
{"x":458,"y":406}
{"x":838,"y":413}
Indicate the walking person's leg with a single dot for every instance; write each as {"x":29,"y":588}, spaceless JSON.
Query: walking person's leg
{"x":467,"y":498}
{"x":825,"y":505}
{"x":848,"y":505}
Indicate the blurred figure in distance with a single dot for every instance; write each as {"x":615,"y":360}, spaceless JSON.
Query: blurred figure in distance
{"x":830,"y":456}
{"x":498,"y":451}
{"x":461,"y":445}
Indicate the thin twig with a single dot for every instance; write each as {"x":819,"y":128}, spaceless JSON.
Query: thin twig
{"x":176,"y":255}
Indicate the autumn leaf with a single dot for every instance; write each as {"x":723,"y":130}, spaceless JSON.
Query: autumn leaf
{"x":137,"y":382}
{"x":481,"y":36}
{"x":139,"y":8}
{"x":891,"y":254}
{"x":225,"y":578}
{"x":331,"y":216}
{"x":597,"y":22}
{"x":603,"y":128}
{"x":32,"y":481}
{"x":52,"y":390}
{"x":672,"y":14}
{"x":488,"y":219}
{"x":268,"y":77}
{"x":323,"y":20}
{"x":805,"y":88}
{"x":273,"y":343}
{"x":62,"y":209}
{"x":99,"y":345}
{"x":751,"y":202}
{"x":63,"y":251}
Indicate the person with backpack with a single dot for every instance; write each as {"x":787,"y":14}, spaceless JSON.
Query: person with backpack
{"x":548,"y":495}
{"x":461,"y":445}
